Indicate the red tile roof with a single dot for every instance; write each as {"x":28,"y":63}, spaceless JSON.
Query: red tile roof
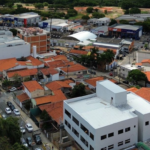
{"x":55,"y":110}
{"x":132,"y":89}
{"x":87,"y":47}
{"x":80,"y":52}
{"x":93,"y":81}
{"x":48,"y":59}
{"x":59,"y":63}
{"x":34,"y":61}
{"x":23,"y":97}
{"x":47,"y":71}
{"x":57,"y":97}
{"x":76,"y":27}
{"x":56,"y":85}
{"x":145,"y":61}
{"x":147,"y":73}
{"x":9,"y":63}
{"x":73,"y":68}
{"x":23,"y":73}
{"x":32,"y":86}
{"x":60,"y":57}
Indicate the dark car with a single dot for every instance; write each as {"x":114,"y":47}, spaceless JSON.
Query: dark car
{"x":9,"y":104}
{"x":29,"y":141}
{"x":12,"y":107}
{"x":126,"y":82}
{"x":37,"y":139}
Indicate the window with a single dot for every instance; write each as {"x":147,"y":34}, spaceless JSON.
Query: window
{"x":103,"y":148}
{"x":120,"y":131}
{"x":110,"y":134}
{"x":75,"y":132}
{"x":67,"y":124}
{"x":84,"y":141}
{"x":127,"y":141}
{"x":67,"y":113}
{"x":91,"y":136}
{"x":127,"y":129}
{"x":75,"y":120}
{"x":85,"y":129}
{"x":147,"y":123}
{"x":91,"y":148}
{"x":120,"y":143}
{"x":103,"y":137}
{"x":110,"y":147}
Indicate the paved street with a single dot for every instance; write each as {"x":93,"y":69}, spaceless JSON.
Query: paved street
{"x":22,"y":119}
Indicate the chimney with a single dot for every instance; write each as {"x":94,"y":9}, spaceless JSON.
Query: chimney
{"x":34,"y":51}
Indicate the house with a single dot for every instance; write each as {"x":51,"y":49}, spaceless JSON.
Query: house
{"x":78,"y":52}
{"x":65,"y":85}
{"x":75,"y":69}
{"x":21,"y":99}
{"x":56,"y":97}
{"x":49,"y":74}
{"x":58,"y":57}
{"x":115,"y":120}
{"x":22,"y":74}
{"x":33,"y":89}
{"x":55,"y":110}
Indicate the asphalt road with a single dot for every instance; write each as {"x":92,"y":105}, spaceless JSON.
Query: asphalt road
{"x":3,"y":100}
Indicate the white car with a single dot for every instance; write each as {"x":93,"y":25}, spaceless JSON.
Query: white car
{"x":12,"y":89}
{"x":8,"y":111}
{"x":29,"y":127}
{"x":16,"y":112}
{"x":22,"y":130}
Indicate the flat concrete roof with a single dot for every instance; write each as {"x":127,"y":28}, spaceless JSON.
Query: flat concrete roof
{"x":99,"y":113}
{"x":107,"y":45}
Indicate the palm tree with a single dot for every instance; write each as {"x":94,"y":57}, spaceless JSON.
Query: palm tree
{"x":109,"y":56}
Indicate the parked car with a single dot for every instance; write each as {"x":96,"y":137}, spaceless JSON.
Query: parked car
{"x":9,"y":104}
{"x":29,"y":127}
{"x":23,"y":142}
{"x":12,"y":89}
{"x":22,"y":130}
{"x":4,"y":116}
{"x":37,"y":139}
{"x":12,"y":107}
{"x":16,"y":112}
{"x":29,"y":141}
{"x":7,"y":110}
{"x":126,"y":82}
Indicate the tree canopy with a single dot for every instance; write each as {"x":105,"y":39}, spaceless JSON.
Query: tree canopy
{"x":113,"y":21}
{"x":78,"y":90}
{"x":136,"y":75}
{"x":89,"y":10}
{"x":97,"y":15}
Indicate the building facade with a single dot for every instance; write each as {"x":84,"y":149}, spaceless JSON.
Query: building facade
{"x":36,"y":37}
{"x":110,"y":121}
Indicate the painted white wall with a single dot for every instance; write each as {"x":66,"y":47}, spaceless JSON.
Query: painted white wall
{"x":27,"y":92}
{"x":15,"y":51}
{"x":55,"y":77}
{"x":97,"y":143}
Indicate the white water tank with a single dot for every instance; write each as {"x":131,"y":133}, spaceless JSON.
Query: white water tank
{"x":34,"y":51}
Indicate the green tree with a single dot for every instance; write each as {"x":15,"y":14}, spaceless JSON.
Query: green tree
{"x":16,"y":78}
{"x":10,"y":5}
{"x":85,"y":17}
{"x":38,"y":5}
{"x":45,"y":4}
{"x":123,"y":22}
{"x":78,"y":90}
{"x":19,"y":6}
{"x":97,"y":15}
{"x":72,"y":12}
{"x":126,"y":4}
{"x":6,"y":83}
{"x":5,"y":143}
{"x":134,"y":10}
{"x":14,"y":31}
{"x":113,"y":21}
{"x":136,"y":75}
{"x":89,"y":10}
{"x":105,"y":11}
{"x":17,"y":146}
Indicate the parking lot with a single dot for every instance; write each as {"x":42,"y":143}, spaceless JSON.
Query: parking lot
{"x":3,"y":100}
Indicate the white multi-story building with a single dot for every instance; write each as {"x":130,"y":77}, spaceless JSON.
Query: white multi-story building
{"x":12,"y":46}
{"x":110,"y":119}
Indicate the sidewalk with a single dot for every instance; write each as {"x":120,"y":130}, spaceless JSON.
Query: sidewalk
{"x":25,"y":118}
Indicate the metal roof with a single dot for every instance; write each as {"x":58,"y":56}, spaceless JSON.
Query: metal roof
{"x":83,"y":35}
